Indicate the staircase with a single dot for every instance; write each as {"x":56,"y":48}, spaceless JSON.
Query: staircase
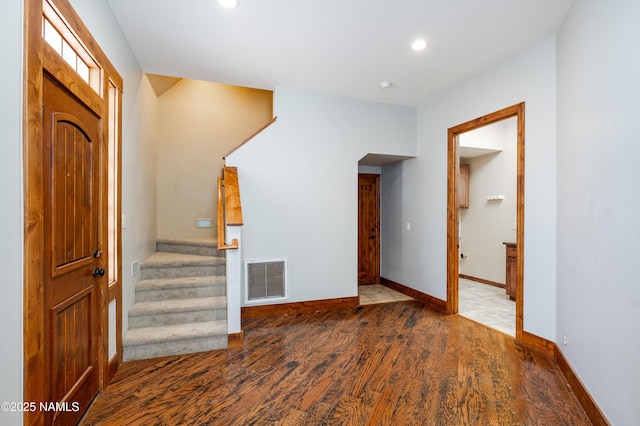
{"x":180,"y":305}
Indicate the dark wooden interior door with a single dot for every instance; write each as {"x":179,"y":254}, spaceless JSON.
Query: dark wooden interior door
{"x":368,"y":229}
{"x":72,"y":253}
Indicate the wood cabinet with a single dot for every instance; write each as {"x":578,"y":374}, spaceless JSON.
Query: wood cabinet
{"x":510,"y":275}
{"x":463,"y":186}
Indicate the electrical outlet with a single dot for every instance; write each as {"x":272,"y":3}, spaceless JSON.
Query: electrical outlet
{"x":135,"y":268}
{"x":564,"y":340}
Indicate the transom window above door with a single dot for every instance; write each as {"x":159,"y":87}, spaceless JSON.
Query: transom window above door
{"x":57,"y":35}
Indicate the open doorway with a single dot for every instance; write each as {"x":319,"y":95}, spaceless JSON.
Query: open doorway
{"x":372,"y":288}
{"x":456,"y":254}
{"x":487,"y":231}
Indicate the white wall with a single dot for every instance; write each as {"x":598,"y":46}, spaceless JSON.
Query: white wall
{"x":417,"y":258}
{"x":374,"y":170}
{"x":139,"y":193}
{"x":298,"y":183}
{"x":484,"y":138}
{"x":598,"y":201}
{"x":11,"y":233}
{"x":486,"y":224}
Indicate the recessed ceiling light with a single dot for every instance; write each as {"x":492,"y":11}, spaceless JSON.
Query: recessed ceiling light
{"x":385,"y":84}
{"x":419,"y":44}
{"x":229,"y":4}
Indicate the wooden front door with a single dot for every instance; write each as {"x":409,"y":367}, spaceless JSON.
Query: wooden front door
{"x":368,"y":229}
{"x":72,"y":252}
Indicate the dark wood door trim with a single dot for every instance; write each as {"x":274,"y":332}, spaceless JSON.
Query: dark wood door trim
{"x":37,"y":61}
{"x":452,"y":208}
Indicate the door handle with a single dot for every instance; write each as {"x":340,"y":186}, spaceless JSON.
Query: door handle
{"x":98,"y":271}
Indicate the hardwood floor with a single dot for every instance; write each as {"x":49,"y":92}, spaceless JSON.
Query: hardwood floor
{"x":385,"y":364}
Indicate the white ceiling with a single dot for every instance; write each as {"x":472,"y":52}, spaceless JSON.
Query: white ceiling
{"x":343,"y":47}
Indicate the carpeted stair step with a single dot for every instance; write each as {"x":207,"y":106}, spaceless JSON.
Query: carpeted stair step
{"x":175,"y":265}
{"x":180,"y":288}
{"x":203,"y":247}
{"x":153,"y":342}
{"x":181,"y":305}
{"x":179,"y":311}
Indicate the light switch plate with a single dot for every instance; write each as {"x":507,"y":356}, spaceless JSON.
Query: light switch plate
{"x":204,"y":222}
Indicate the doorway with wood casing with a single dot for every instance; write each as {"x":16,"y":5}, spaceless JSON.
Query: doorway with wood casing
{"x":368,"y":229}
{"x":72,"y":249}
{"x":453,"y":252}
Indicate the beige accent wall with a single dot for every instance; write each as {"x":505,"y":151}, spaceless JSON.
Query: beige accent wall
{"x":200,"y":122}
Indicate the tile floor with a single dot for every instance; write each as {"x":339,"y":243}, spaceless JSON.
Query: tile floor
{"x":371,"y":294}
{"x":488,"y":305}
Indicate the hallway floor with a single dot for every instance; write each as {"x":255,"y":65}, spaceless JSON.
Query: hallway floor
{"x":487,"y":305}
{"x":371,"y":294}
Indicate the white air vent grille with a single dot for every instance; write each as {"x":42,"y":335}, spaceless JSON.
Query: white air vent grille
{"x":265,"y":279}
